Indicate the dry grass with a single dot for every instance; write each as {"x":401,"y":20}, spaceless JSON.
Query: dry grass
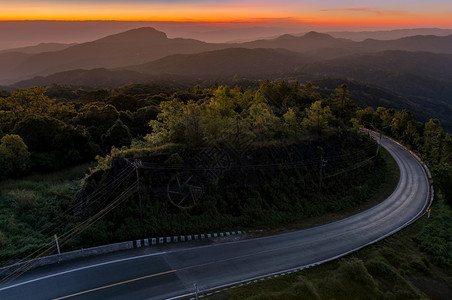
{"x":23,"y":199}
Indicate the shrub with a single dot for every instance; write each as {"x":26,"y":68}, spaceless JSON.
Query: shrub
{"x":175,"y":160}
{"x":2,"y":239}
{"x":304,"y":288}
{"x":378,"y":267}
{"x":14,"y":156}
{"x":23,"y":199}
{"x":354,"y":270}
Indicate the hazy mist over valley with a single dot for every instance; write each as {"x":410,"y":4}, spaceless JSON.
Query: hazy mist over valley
{"x":17,"y":34}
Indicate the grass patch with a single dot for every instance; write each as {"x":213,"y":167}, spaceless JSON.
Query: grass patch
{"x":33,"y":209}
{"x":23,"y":199}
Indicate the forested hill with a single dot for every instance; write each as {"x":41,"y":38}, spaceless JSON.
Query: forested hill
{"x":250,"y":157}
{"x":418,"y":81}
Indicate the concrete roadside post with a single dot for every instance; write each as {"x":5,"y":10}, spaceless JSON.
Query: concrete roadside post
{"x":195,"y":285}
{"x":57,"y":244}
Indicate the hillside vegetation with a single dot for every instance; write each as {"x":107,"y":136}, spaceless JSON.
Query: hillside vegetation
{"x":254,"y":158}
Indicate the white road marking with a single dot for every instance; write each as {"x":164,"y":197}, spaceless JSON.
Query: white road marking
{"x":79,"y":269}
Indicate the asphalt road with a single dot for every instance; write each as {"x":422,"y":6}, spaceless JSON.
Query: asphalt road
{"x":164,"y":272}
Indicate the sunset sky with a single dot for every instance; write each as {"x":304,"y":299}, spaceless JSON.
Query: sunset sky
{"x":398,"y":13}
{"x":27,"y":22}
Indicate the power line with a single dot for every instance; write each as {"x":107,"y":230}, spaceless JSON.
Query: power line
{"x":59,"y":220}
{"x":113,"y":183}
{"x":68,"y":236}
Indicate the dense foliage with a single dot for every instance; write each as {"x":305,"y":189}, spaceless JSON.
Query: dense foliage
{"x":285,"y":146}
{"x":428,"y":140}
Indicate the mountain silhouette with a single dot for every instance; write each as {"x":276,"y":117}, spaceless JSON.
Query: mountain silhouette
{"x":224,"y":62}
{"x":144,"y":45}
{"x":131,"y":47}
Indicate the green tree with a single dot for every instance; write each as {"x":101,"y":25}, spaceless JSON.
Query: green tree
{"x":142,"y":117}
{"x":117,"y":135}
{"x":282,"y":95}
{"x":74,"y":146}
{"x":125,"y":102}
{"x":342,"y":104}
{"x":97,"y":115}
{"x":447,"y":152}
{"x":14,"y":155}
{"x":291,"y":123}
{"x":95,"y":96}
{"x":237,"y":133}
{"x":192,"y":124}
{"x":403,"y":127}
{"x":443,"y":171}
{"x":197,"y":89}
{"x":442,"y":174}
{"x":264,"y":123}
{"x":399,"y":122}
{"x":307,"y":95}
{"x":168,"y":127}
{"x":411,"y":136}
{"x":317,"y":118}
{"x":97,"y":119}
{"x":34,"y":102}
{"x":386,"y":116}
{"x":7,"y":120}
{"x":433,"y":138}
{"x":219,"y":113}
{"x":368,"y":117}
{"x":38,"y":132}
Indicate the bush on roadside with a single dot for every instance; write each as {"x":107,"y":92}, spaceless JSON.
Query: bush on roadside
{"x":2,"y":239}
{"x":23,"y":199}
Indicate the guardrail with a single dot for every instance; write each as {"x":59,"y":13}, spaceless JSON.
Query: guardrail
{"x":110,"y":248}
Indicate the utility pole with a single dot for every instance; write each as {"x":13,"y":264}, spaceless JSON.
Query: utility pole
{"x":57,"y":244}
{"x":137,"y":164}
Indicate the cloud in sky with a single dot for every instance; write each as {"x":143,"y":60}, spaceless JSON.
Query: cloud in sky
{"x":365,"y":10}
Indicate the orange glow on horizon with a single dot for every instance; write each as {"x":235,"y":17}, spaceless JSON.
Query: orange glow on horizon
{"x":223,"y":13}
{"x":445,"y":23}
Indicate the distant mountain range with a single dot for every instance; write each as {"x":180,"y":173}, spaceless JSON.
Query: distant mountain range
{"x":225,"y":62}
{"x":144,"y":45}
{"x":132,"y":47}
{"x":389,"y":34}
{"x":43,"y":47}
{"x":417,"y":68}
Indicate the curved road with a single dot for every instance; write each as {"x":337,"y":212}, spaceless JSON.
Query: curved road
{"x":163,"y":272}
